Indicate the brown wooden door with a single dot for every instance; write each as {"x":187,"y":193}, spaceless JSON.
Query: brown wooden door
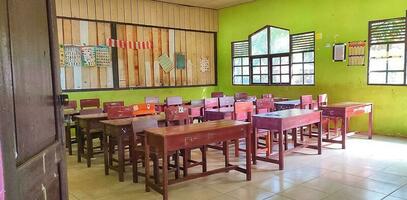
{"x":30,"y":110}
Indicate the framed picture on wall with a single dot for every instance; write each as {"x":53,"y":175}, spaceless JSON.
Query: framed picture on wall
{"x":339,"y":52}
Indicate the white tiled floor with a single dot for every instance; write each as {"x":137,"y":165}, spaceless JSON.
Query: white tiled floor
{"x":367,"y":169}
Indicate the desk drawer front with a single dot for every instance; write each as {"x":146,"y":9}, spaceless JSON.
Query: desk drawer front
{"x":360,"y":110}
{"x":332,"y":112}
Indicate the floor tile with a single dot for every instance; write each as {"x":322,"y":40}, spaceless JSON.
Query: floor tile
{"x":303,"y":193}
{"x":250,"y":193}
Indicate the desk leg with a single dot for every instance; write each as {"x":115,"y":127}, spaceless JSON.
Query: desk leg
{"x":89,"y":147}
{"x":105,"y":152}
{"x":248,"y":154}
{"x":280,"y":150}
{"x":147,"y":163}
{"x":79,"y":139}
{"x":371,"y":123}
{"x":320,"y":135}
{"x":344,"y":129}
{"x":120,"y":151}
{"x":226,"y":150}
{"x":254,"y":143}
{"x":165,"y":175}
{"x":294,"y":135}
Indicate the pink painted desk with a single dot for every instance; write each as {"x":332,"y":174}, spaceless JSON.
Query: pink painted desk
{"x":346,"y":110}
{"x":284,"y":120}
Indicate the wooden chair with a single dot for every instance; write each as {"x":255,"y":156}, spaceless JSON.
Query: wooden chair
{"x":326,"y":121}
{"x":142,"y":109}
{"x":156,"y":101}
{"x":265,"y":105}
{"x":211,"y":103}
{"x":70,"y":124}
{"x":174,"y":101}
{"x":122,"y":141}
{"x":242,"y":112}
{"x":306,"y":102}
{"x":178,"y":115}
{"x":217,"y":94}
{"x":89,"y":103}
{"x":269,"y":96}
{"x":196,"y":110}
{"x":226,"y":102}
{"x":106,"y":105}
{"x":241,"y":96}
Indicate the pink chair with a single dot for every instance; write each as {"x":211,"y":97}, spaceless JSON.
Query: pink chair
{"x":226,"y":102}
{"x":265,"y":105}
{"x":89,"y":103}
{"x":107,"y":105}
{"x":242,"y":112}
{"x":196,"y":111}
{"x":241,"y":96}
{"x":119,"y":112}
{"x":174,"y":101}
{"x":217,"y":94}
{"x":306,"y":103}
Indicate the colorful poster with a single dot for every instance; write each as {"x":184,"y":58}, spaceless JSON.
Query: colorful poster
{"x":88,"y":56}
{"x":103,"y":56}
{"x":166,"y":63}
{"x":180,"y":61}
{"x":72,"y":55}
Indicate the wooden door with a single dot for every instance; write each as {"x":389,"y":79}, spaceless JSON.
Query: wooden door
{"x":30,"y":110}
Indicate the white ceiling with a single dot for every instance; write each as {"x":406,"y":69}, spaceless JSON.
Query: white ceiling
{"x":216,"y":4}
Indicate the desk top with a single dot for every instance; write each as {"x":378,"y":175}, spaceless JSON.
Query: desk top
{"x":221,"y":110}
{"x":286,"y":113}
{"x":92,"y":116}
{"x":346,"y":105}
{"x":128,"y":121}
{"x":290,"y":102}
{"x":194,"y":128}
{"x":71,"y":112}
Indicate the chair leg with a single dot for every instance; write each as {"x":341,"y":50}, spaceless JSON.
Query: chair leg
{"x":176,"y":161}
{"x":156,"y":169}
{"x":302,"y":134}
{"x":185,"y":162}
{"x":135,"y":158}
{"x":268,"y":145}
{"x":310,"y":131}
{"x":120,"y":163}
{"x":204,"y":163}
{"x":285,"y":140}
{"x":89,"y":149}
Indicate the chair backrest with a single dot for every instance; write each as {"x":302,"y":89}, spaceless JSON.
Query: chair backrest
{"x":251,"y":98}
{"x":241,"y":96}
{"x":176,"y":114}
{"x":141,"y":124}
{"x":306,"y":102}
{"x":269,"y":96}
{"x":174,"y":101}
{"x":90,"y":111}
{"x":226,"y":102}
{"x":119,"y":112}
{"x":243,"y":111}
{"x":144,"y":109}
{"x":72,"y":105}
{"x":211,"y":103}
{"x":154,"y":100}
{"x":89,"y":103}
{"x":217,"y":94}
{"x":322,"y":100}
{"x":264,"y":105}
{"x":198,"y":103}
{"x":107,"y":105}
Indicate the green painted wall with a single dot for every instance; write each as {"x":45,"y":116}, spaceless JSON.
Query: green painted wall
{"x":338,"y":21}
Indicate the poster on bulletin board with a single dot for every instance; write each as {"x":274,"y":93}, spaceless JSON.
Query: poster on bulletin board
{"x":356,"y":53}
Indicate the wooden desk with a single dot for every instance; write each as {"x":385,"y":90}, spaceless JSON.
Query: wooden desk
{"x":282,"y":121}
{"x":87,"y":122}
{"x":167,"y":139}
{"x":219,"y":114}
{"x":69,"y":123}
{"x":120,"y":129}
{"x":346,"y":110}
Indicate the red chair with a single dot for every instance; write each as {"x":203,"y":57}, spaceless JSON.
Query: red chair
{"x":323,"y":101}
{"x":226,"y":102}
{"x":217,"y":94}
{"x":265,"y":105}
{"x":174,"y":101}
{"x":269,"y":96}
{"x":241,"y":96}
{"x":196,"y":110}
{"x":211,"y":103}
{"x":306,"y":102}
{"x":106,"y":105}
{"x":156,"y":101}
{"x":89,"y":103}
{"x":72,"y":105}
{"x":119,"y":112}
{"x":69,"y":124}
{"x":242,"y":112}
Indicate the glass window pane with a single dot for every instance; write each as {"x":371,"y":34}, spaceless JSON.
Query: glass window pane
{"x":396,"y":63}
{"x":256,"y":62}
{"x":237,"y":62}
{"x":256,"y":70}
{"x":285,"y":78}
{"x":256,"y":79}
{"x":237,"y":71}
{"x":309,"y":57}
{"x":276,"y":61}
{"x":285,"y":69}
{"x":279,"y":40}
{"x":309,"y":68}
{"x":264,"y":79}
{"x":245,"y":61}
{"x":309,"y":79}
{"x":237,"y":80}
{"x":297,"y":68}
{"x":284,"y":60}
{"x":377,"y":64}
{"x":395,"y":77}
{"x":276,"y":70}
{"x":396,"y":50}
{"x":378,"y":51}
{"x":246,"y":80}
{"x":264,"y":61}
{"x":377,"y":77}
{"x":297,"y":58}
{"x":264,"y":70}
{"x":276,"y":79}
{"x":296,"y":80}
{"x":259,"y":43}
{"x":246,"y":71}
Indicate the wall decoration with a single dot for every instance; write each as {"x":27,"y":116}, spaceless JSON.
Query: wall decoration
{"x":72,"y":56}
{"x":128,"y":44}
{"x":204,"y":62}
{"x":61,"y":56}
{"x":166,"y":63}
{"x":103,"y":56}
{"x":88,"y":56}
{"x":180,"y":61}
{"x":356,"y":53}
{"x":339,"y":52}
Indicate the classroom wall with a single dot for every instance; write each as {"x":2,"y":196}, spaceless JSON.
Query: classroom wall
{"x":338,"y":21}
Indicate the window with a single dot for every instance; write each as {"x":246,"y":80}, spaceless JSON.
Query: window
{"x":259,"y":43}
{"x":387,"y":52}
{"x":280,"y":70}
{"x":302,"y":59}
{"x":279,"y":40}
{"x":260,"y":70}
{"x":240,"y":59}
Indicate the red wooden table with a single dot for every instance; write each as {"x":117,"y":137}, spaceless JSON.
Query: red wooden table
{"x":169,"y":139}
{"x":219,"y":113}
{"x":346,"y":110}
{"x":284,"y":120}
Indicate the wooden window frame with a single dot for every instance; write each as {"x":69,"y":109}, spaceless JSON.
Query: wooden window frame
{"x":303,"y":51}
{"x":241,"y":66}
